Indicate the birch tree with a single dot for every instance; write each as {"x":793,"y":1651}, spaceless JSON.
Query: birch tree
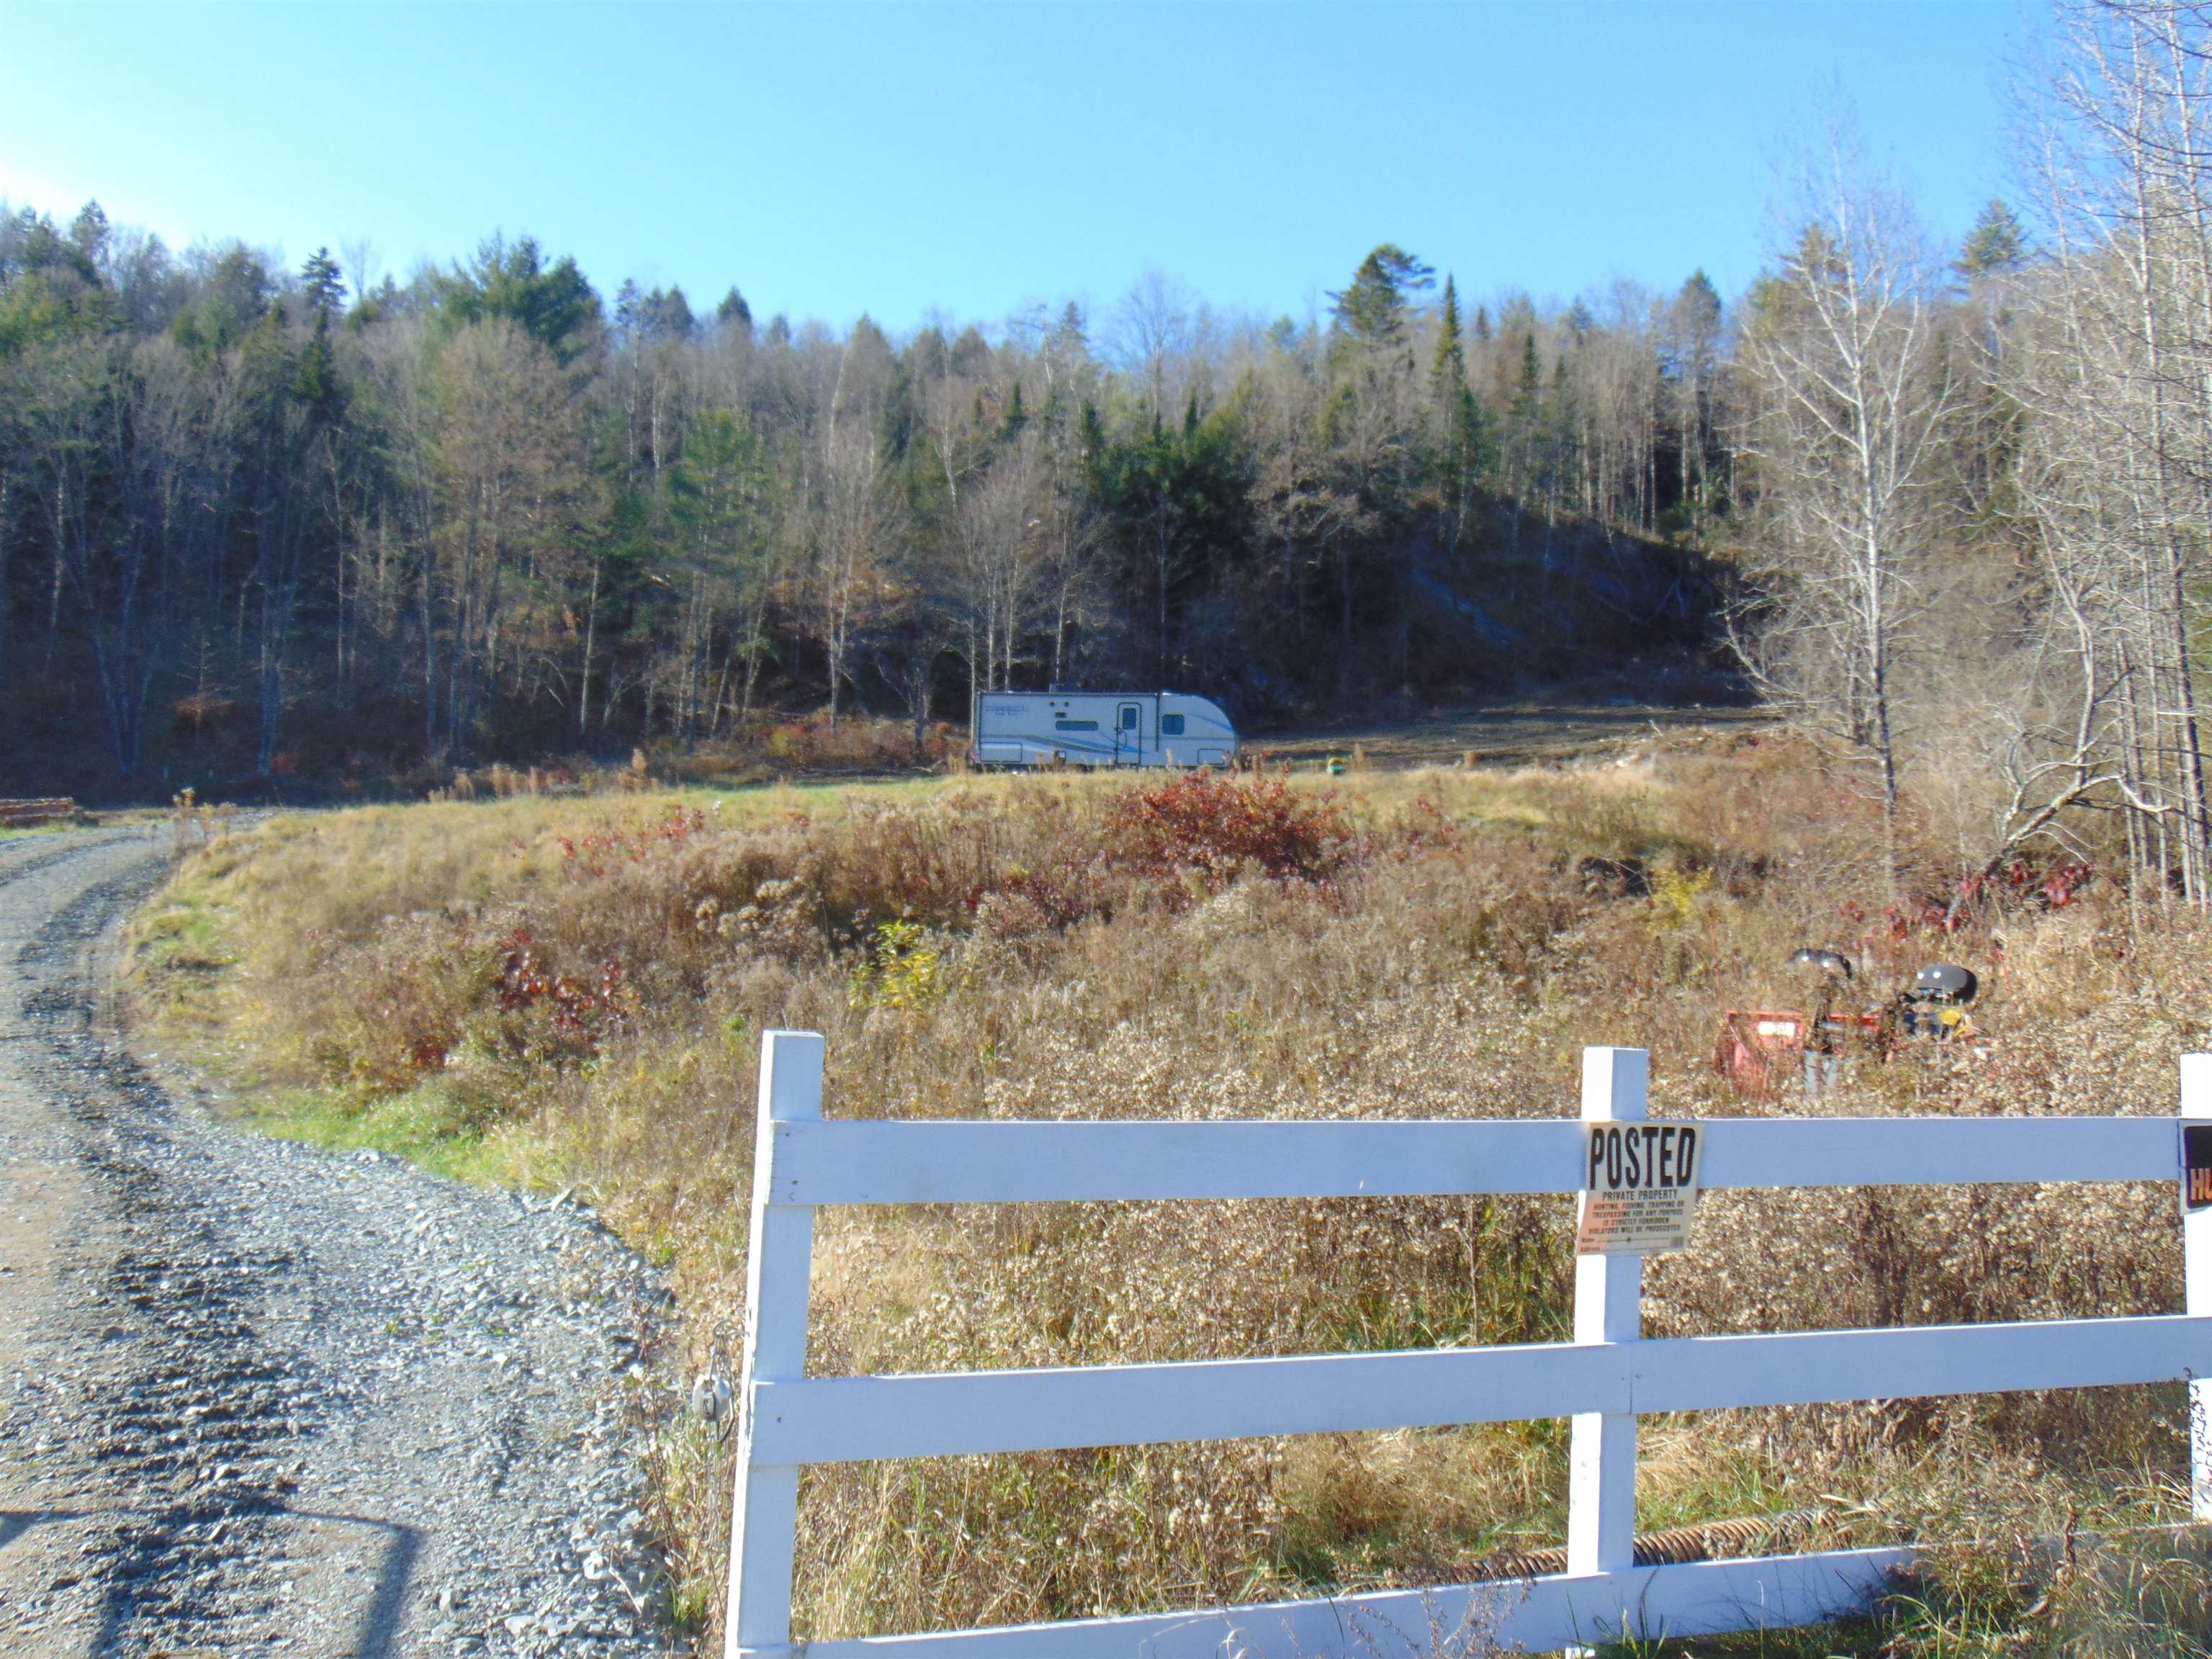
{"x":1849,"y":400}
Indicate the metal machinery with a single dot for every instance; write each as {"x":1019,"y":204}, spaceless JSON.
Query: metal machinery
{"x":1759,"y":1048}
{"x":1934,"y":1006}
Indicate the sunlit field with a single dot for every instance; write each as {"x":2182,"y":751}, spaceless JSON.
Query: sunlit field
{"x":570,"y":992}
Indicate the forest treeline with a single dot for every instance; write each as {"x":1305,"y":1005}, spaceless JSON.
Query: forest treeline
{"x":1948,"y":508}
{"x":256,"y":521}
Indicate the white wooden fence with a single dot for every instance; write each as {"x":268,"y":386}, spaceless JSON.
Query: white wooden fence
{"x":1602,"y":1379}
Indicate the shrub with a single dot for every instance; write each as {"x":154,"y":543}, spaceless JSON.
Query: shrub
{"x":1212,"y":830}
{"x":556,"y":1017}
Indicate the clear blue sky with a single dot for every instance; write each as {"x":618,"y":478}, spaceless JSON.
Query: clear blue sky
{"x":835,"y":160}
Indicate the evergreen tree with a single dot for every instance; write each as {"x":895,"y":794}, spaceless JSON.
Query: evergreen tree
{"x":322,"y":284}
{"x":1069,"y":336}
{"x":1996,"y":245}
{"x":1372,"y":311}
{"x":653,"y":316}
{"x":316,"y":382}
{"x":1526,"y":419}
{"x":1448,"y":369}
{"x":734,"y":312}
{"x":554,"y":303}
{"x":89,"y":232}
{"x":971,"y":353}
{"x":1690,"y":362}
{"x":1459,"y":439}
{"x":718,"y":500}
{"x":234,"y":295}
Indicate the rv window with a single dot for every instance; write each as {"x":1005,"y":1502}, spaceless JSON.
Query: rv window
{"x":1129,"y":717}
{"x":1074,"y":726}
{"x":1170,"y":726}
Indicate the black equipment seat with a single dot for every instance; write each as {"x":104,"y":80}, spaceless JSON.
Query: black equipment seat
{"x":1944,"y":981}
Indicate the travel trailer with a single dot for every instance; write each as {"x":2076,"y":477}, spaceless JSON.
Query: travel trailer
{"x":1100,"y":728}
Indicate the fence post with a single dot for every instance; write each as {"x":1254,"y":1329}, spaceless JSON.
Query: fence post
{"x":1609,"y":1307}
{"x":779,"y":1262}
{"x":2197,"y":1268}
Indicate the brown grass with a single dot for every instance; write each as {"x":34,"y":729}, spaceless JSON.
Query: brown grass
{"x":1414,"y":944}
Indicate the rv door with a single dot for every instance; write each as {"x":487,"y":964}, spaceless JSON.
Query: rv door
{"x":1129,"y":735}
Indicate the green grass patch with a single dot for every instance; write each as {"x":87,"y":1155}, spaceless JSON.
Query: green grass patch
{"x":426,"y":1127}
{"x":1728,"y":1484}
{"x":1854,"y":1640}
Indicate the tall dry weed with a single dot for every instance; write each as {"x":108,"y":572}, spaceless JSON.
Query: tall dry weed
{"x":1436,"y":946}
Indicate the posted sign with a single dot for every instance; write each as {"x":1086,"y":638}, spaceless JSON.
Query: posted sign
{"x":1639,"y":1187}
{"x":2195,"y":1167}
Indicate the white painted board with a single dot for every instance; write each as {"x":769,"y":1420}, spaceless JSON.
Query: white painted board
{"x":1535,"y":1615}
{"x":958,"y":1161}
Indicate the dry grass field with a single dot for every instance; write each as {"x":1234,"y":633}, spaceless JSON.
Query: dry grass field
{"x":1496,"y":734}
{"x":571,"y":991}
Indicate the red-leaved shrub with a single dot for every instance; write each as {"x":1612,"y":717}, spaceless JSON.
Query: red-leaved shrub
{"x":1214,"y":828}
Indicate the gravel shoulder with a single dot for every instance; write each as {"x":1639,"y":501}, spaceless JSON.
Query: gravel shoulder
{"x":256,"y":1398}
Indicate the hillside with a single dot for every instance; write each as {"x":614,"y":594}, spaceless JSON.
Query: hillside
{"x":274,"y":532}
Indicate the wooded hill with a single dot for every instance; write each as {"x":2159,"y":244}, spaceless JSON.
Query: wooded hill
{"x":257,"y":523}
{"x":1948,"y":508}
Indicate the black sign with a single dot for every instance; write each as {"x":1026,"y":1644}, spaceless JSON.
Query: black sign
{"x":2195,"y":1167}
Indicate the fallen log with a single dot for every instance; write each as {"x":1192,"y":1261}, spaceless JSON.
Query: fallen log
{"x":20,"y":814}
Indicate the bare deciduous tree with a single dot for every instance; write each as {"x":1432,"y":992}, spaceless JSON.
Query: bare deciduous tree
{"x":1847,"y":401}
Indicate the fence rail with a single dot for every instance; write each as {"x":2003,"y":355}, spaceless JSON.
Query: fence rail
{"x":859,"y":1418}
{"x":1702,"y":1598}
{"x":960,"y":1161}
{"x":1602,"y":1380}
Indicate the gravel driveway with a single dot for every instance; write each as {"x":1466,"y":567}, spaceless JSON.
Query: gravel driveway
{"x":260,"y":1399}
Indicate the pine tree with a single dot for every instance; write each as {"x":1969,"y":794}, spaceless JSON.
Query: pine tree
{"x":1069,"y":335}
{"x":324,"y":285}
{"x":734,"y":311}
{"x":1690,"y":362}
{"x":554,"y":303}
{"x":668,"y":316}
{"x":1997,"y":244}
{"x":1448,"y":372}
{"x":89,"y":232}
{"x":1526,"y":416}
{"x":1372,"y":311}
{"x":315,"y":383}
{"x":1460,"y":436}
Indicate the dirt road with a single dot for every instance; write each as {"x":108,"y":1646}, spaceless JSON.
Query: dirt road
{"x":1506,"y":734}
{"x":257,"y":1399}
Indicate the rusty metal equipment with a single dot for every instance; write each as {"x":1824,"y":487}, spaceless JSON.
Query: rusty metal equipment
{"x":1758,"y":1049}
